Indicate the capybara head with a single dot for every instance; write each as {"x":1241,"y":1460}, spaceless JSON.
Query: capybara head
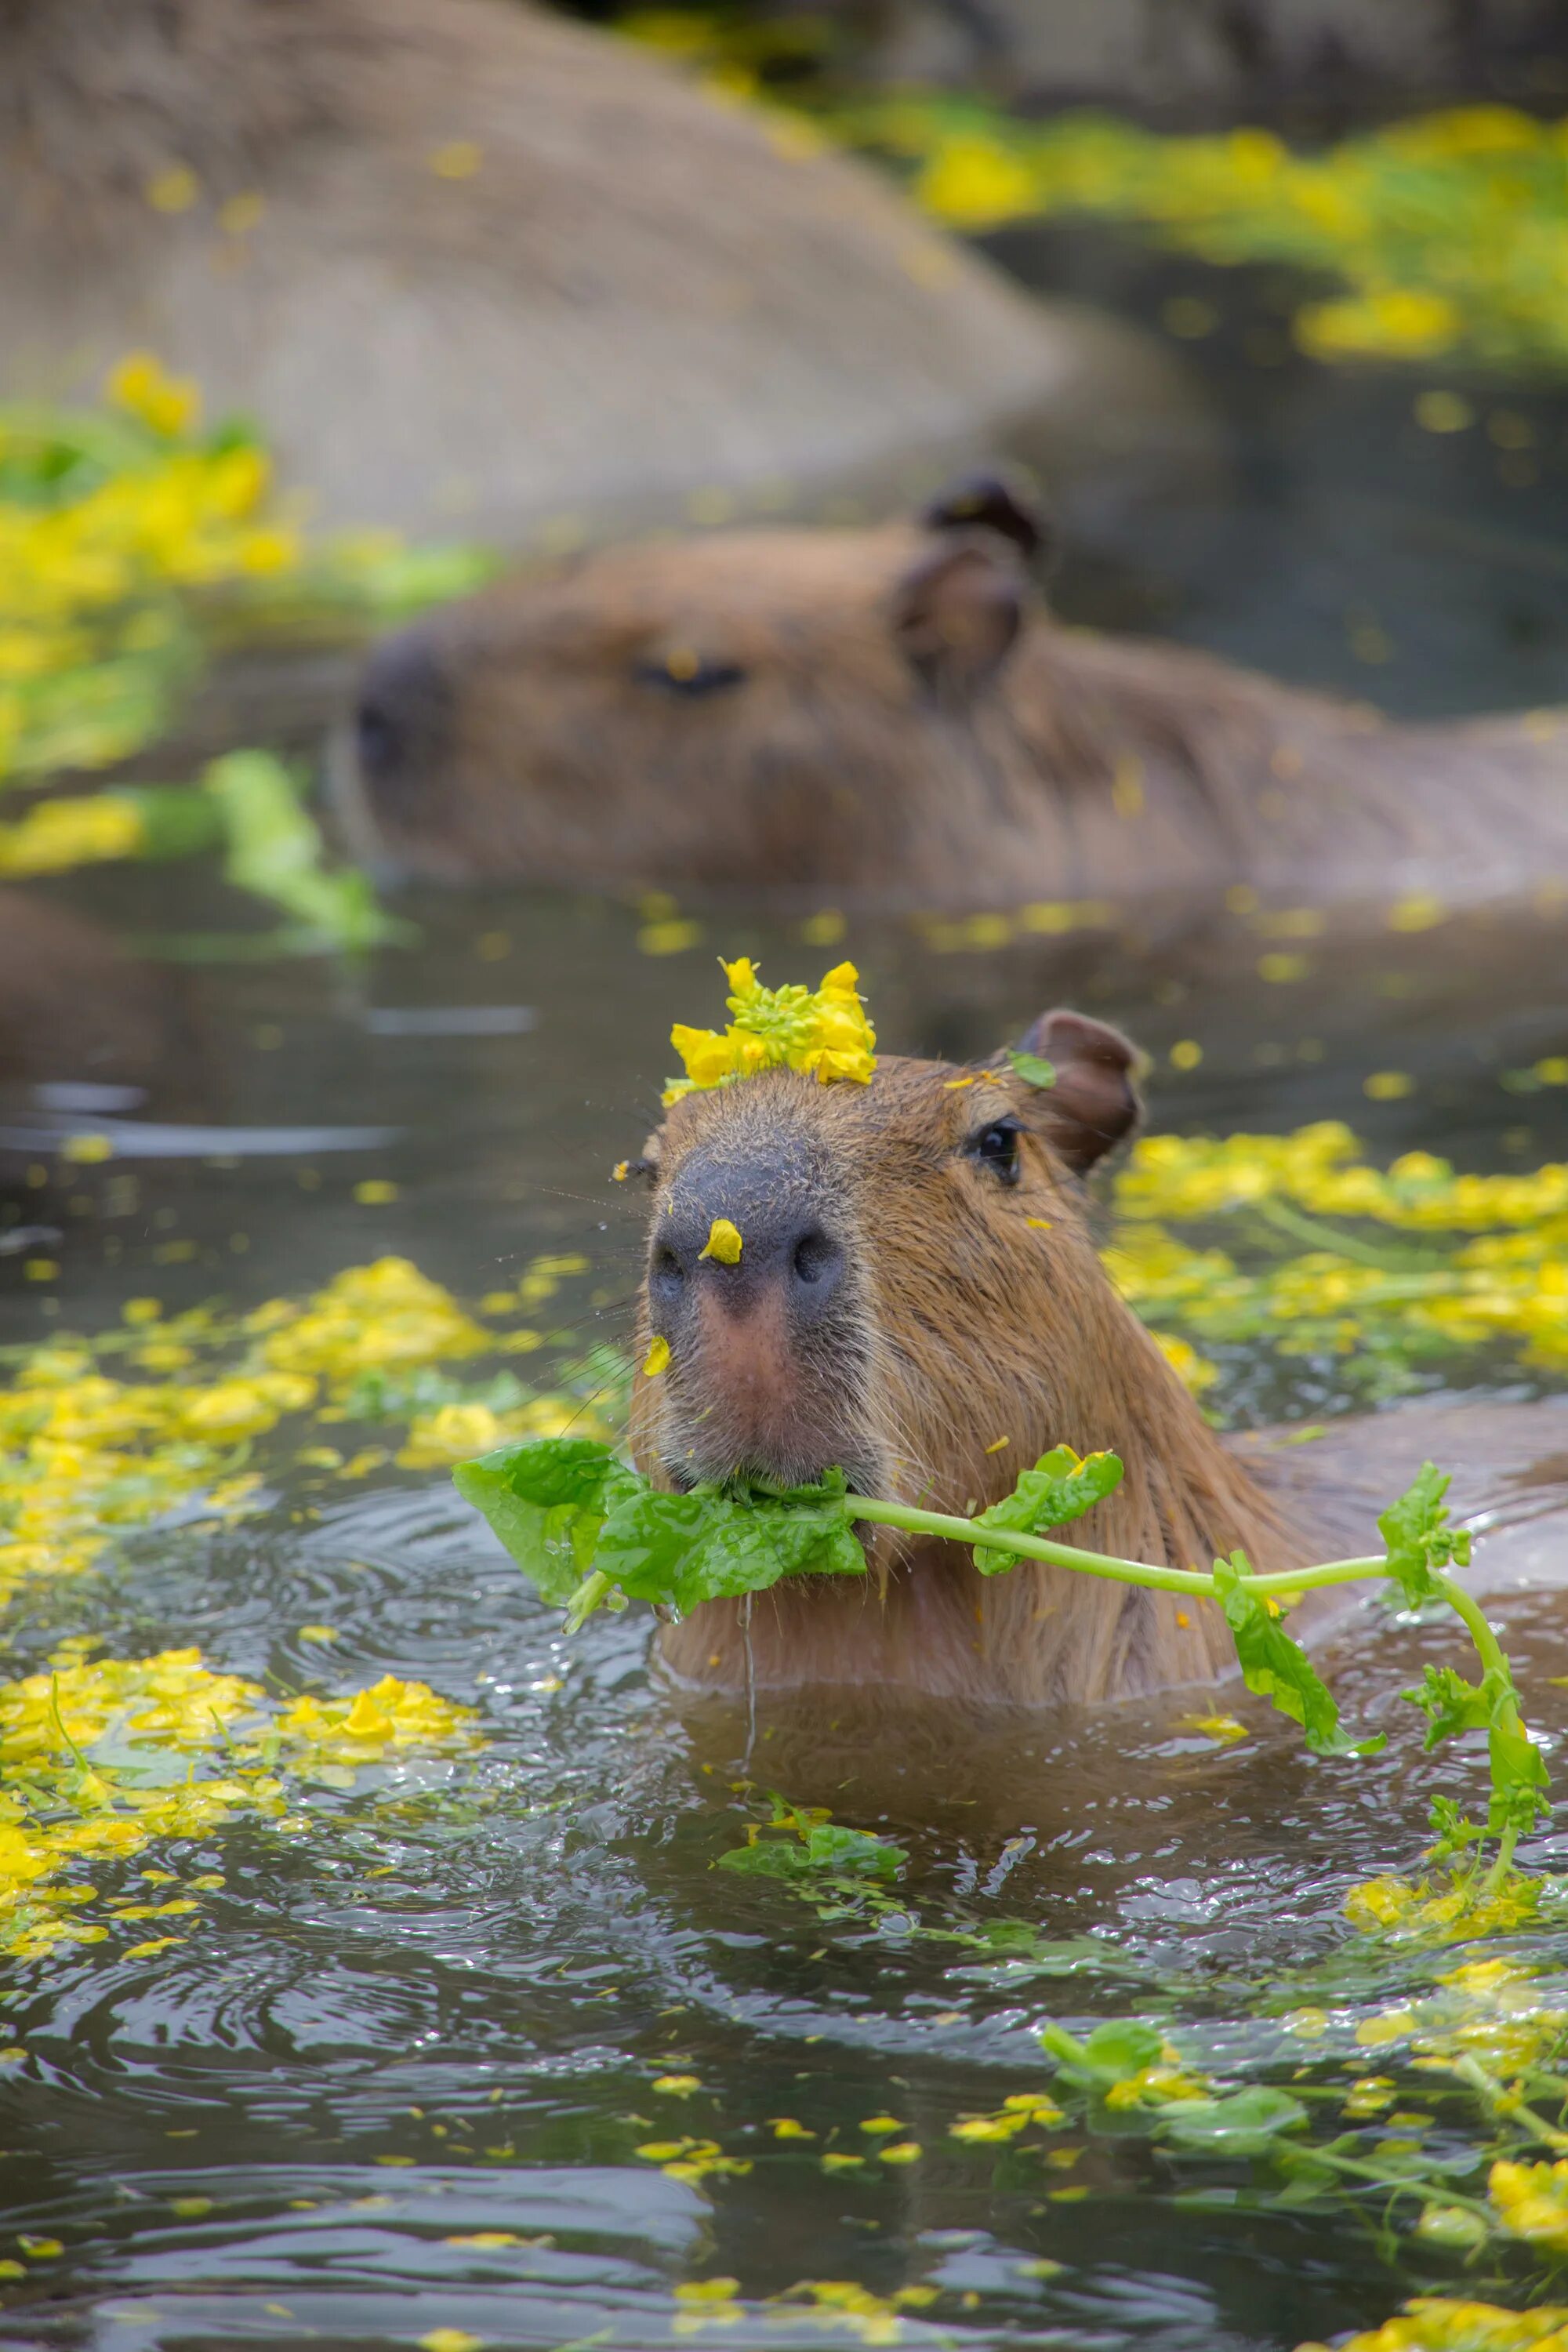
{"x":743,"y":707}
{"x":915,"y":1279}
{"x":917,"y":1299}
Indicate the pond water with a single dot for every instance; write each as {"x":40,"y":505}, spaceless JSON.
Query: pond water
{"x":396,"y":2077}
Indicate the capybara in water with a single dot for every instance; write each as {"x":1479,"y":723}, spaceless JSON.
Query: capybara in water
{"x":918,"y":1300}
{"x":917,"y":1283}
{"x":77,"y":1010}
{"x":474,"y":267}
{"x":891,"y":718}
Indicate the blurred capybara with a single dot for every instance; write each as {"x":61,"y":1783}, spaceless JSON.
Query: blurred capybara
{"x":76,"y":1012}
{"x":918,"y":1300}
{"x":889,"y":717}
{"x":466,"y":260}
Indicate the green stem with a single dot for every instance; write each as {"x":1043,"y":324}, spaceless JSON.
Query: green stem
{"x":1491,"y":1653}
{"x":590,"y":1593}
{"x":1475,"y":1623}
{"x":1512,"y":2110}
{"x":952,"y":1529}
{"x":1414,"y":2187}
{"x":1302,"y":1228}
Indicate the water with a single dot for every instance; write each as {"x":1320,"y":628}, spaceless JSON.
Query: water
{"x":405,"y":2055}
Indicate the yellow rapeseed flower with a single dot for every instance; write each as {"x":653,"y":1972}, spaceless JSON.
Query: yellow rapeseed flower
{"x":1434,"y":2323}
{"x":169,"y":405}
{"x":60,"y":834}
{"x":1531,"y":2201}
{"x":824,"y":1034}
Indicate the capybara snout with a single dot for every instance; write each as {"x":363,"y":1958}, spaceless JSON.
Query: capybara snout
{"x":402,"y":722}
{"x":756,"y":1284}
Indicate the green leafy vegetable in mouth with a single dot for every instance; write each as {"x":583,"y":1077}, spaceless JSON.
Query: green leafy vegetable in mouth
{"x":589,"y":1531}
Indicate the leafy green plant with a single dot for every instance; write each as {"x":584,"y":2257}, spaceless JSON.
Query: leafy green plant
{"x":590,"y":1531}
{"x":815,"y":1850}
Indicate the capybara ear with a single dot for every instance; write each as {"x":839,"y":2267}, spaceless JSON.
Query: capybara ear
{"x":956,"y":612}
{"x":1094,"y":1103}
{"x":1002,"y":498}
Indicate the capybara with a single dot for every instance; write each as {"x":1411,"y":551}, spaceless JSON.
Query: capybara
{"x":474,"y":268}
{"x":891,"y":718}
{"x":78,"y":1012}
{"x":918,"y":1300}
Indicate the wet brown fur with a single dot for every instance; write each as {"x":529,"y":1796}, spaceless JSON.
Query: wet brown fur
{"x":637,"y":294}
{"x":74,"y":1007}
{"x":972,"y":1326}
{"x":909,"y":726}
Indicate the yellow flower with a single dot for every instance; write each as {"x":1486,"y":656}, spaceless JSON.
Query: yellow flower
{"x":1531,"y":2200}
{"x":1433,"y":2324}
{"x":723,"y":1243}
{"x":657,"y":1360}
{"x":987,"y":2127}
{"x":169,"y":405}
{"x":826,"y":1034}
{"x":56,"y":1816}
{"x":60,"y":834}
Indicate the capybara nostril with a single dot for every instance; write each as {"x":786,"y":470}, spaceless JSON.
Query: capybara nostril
{"x":403,"y":724}
{"x":667,"y":1275}
{"x":816,"y":1262}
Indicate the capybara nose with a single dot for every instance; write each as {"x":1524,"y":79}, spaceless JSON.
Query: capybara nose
{"x":742,"y":1259}
{"x":402,"y":724}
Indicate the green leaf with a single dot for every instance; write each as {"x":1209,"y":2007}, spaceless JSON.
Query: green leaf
{"x":1419,"y":1539}
{"x":1244,"y":2123}
{"x":1058,"y":1488}
{"x":1453,"y":1829}
{"x":1278,"y":1669}
{"x":1032,"y":1069}
{"x":1518,"y":1779}
{"x":1452,"y":1704}
{"x":709,"y":1545}
{"x":822,"y":1849}
{"x":274,"y":851}
{"x":567,"y":1508}
{"x":177,"y":820}
{"x":770,"y":1858}
{"x":548,"y":1502}
{"x":1113,"y":2052}
{"x":859,"y":1853}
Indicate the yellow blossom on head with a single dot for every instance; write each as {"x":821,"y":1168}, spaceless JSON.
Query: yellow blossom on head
{"x":825,"y":1034}
{"x":723,"y":1243}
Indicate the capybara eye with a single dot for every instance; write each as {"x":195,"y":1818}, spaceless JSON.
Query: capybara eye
{"x":996,"y":1148}
{"x":690,"y":674}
